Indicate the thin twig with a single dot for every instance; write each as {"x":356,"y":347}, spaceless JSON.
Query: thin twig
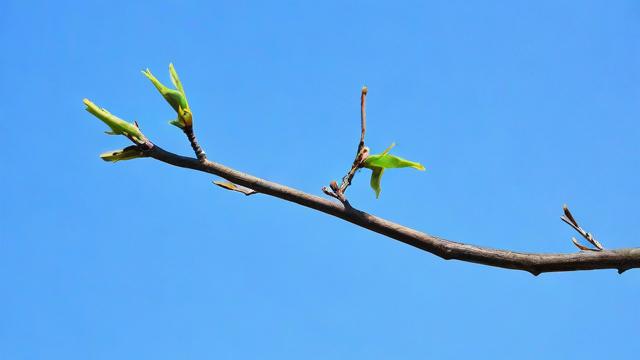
{"x":571,"y":221}
{"x":363,"y":118}
{"x":361,"y":155}
{"x":200,"y":154}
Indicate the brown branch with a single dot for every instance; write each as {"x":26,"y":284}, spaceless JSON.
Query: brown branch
{"x":621,"y":259}
{"x":361,"y":154}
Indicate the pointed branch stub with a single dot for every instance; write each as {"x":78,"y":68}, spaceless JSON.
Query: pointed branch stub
{"x":235,"y":187}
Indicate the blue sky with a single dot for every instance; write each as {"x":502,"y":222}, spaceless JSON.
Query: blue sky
{"x":514,"y":107}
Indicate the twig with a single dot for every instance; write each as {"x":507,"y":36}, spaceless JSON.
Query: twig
{"x":200,"y":154}
{"x":569,"y":219}
{"x":363,"y":118}
{"x":361,"y":154}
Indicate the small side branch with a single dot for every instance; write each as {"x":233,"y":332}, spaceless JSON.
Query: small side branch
{"x":571,"y":221}
{"x":337,"y":191}
{"x":363,"y":118}
{"x":200,"y":154}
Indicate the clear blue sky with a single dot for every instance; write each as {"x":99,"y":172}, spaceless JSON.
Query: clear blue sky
{"x":514,"y":107}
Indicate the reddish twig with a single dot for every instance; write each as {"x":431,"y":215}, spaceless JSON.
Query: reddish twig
{"x":361,"y":154}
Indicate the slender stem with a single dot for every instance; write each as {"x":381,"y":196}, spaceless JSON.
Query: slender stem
{"x":363,"y":119}
{"x":200,"y":154}
{"x":361,"y":155}
{"x":535,"y":263}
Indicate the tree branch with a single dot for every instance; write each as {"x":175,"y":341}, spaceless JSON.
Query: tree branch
{"x":588,"y":259}
{"x":621,"y":259}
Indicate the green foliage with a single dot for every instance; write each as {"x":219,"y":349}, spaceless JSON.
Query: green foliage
{"x":175,"y":97}
{"x":117,"y":125}
{"x":379,"y":162}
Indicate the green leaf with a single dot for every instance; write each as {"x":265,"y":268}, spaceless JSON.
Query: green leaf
{"x":376,"y":177}
{"x":379,"y":162}
{"x":387,"y":161}
{"x":117,"y":125}
{"x":390,"y":162}
{"x":177,"y":123}
{"x":128,"y":153}
{"x":175,"y":79}
{"x":175,"y":97}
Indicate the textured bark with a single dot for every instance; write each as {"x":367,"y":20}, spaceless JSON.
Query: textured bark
{"x":621,"y":259}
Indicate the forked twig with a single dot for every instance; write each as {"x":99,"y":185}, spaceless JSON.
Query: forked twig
{"x":569,"y":219}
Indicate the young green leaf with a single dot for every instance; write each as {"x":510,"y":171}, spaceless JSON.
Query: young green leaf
{"x":117,"y":125}
{"x":376,"y":177}
{"x":379,"y":162}
{"x":390,"y":162}
{"x":387,"y":161}
{"x":128,"y":153}
{"x":175,"y":97}
{"x":175,"y":79}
